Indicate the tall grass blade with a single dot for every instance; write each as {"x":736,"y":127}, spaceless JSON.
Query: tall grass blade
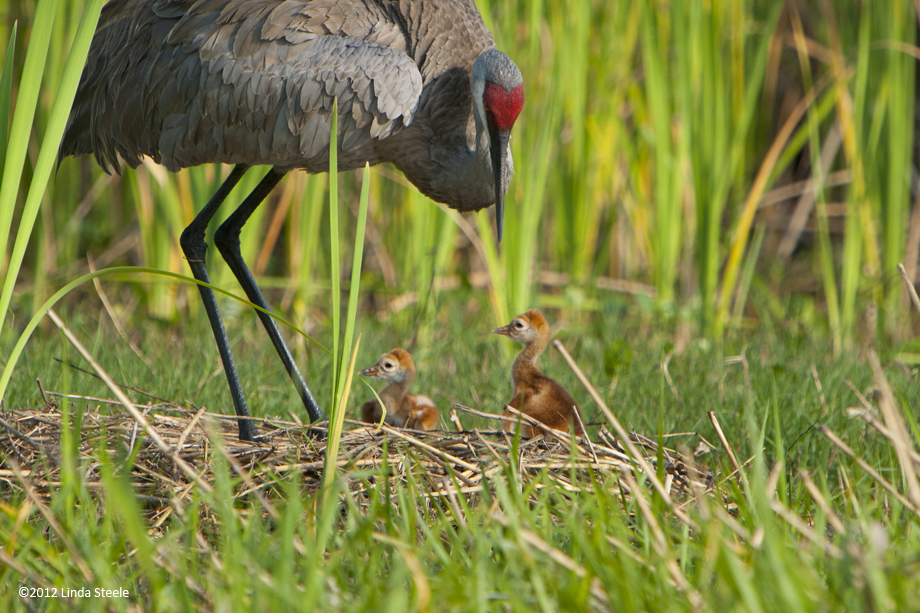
{"x":747,"y":274}
{"x":334,"y":249}
{"x":6,"y":99}
{"x":357,"y":259}
{"x":901,"y":71}
{"x":850,"y":106}
{"x":349,"y":353}
{"x":746,"y":219}
{"x":666,"y":239}
{"x":48,"y":154}
{"x":21,"y":128}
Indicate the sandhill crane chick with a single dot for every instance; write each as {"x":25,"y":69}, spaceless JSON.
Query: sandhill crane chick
{"x":404,"y":410}
{"x":535,"y":394}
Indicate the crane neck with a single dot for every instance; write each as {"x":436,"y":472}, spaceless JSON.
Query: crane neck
{"x":396,"y":391}
{"x":526,"y":361}
{"x":448,"y":159}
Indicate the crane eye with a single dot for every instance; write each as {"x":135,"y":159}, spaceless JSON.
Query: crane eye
{"x":519,"y":325}
{"x":388,"y":365}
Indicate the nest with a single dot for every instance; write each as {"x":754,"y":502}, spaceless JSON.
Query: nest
{"x":174,"y":447}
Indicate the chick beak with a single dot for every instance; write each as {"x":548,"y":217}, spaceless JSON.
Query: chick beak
{"x":504,"y":331}
{"x":370,"y":372}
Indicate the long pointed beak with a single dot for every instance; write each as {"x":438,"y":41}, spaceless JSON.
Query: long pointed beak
{"x":499,"y":151}
{"x":369,"y":372}
{"x":504,"y":330}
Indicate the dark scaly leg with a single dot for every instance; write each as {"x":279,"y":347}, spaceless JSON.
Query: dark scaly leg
{"x":195,"y":249}
{"x":227,"y":240}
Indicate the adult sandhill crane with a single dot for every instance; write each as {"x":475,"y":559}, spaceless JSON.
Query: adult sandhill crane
{"x":419,"y":84}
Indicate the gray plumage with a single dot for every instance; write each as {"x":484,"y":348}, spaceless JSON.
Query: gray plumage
{"x":252,"y":82}
{"x":418,"y":83}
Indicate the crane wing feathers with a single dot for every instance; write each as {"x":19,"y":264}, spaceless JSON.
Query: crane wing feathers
{"x":251,"y":81}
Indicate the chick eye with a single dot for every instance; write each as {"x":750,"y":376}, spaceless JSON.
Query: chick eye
{"x":518,"y":325}
{"x":388,"y":365}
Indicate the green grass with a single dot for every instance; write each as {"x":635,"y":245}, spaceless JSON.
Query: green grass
{"x":649,"y":135}
{"x":402,"y":553}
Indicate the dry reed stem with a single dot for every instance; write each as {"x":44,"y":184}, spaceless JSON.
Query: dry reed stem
{"x":455,"y":419}
{"x":631,"y":553}
{"x":544,"y":429}
{"x":52,"y":521}
{"x":800,"y":188}
{"x":9,"y":561}
{"x":107,"y":304}
{"x":773,"y":479}
{"x":127,"y":403}
{"x":621,"y":432}
{"x":485,"y":415}
{"x":157,"y":482}
{"x":862,"y":399}
{"x":661,"y":544}
{"x":832,"y":518}
{"x":423,"y":596}
{"x":444,"y":455}
{"x":242,"y":472}
{"x":866,"y":416}
{"x":865,"y":466}
{"x":725,"y":444}
{"x":899,"y":436}
{"x":581,"y":424}
{"x":455,"y":505}
{"x":911,"y":290}
{"x":532,"y":539}
{"x":37,"y":446}
{"x":820,"y":388}
{"x":667,"y":377}
{"x":804,"y":529}
{"x":806,"y":204}
{"x":188,"y":428}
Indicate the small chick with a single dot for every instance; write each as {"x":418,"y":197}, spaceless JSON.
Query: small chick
{"x":403,"y":410}
{"x":535,"y":394}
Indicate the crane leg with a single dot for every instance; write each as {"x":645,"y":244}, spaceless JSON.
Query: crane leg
{"x":227,"y":240}
{"x":195,"y":249}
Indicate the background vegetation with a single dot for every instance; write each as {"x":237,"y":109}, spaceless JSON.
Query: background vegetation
{"x":743,"y":159}
{"x":694,"y":180}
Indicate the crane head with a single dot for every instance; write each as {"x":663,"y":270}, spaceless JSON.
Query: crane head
{"x":525,"y":328}
{"x":393,"y":367}
{"x":498,"y":95}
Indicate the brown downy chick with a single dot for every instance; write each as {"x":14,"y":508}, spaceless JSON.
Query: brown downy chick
{"x":403,"y":410}
{"x":535,"y":394}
